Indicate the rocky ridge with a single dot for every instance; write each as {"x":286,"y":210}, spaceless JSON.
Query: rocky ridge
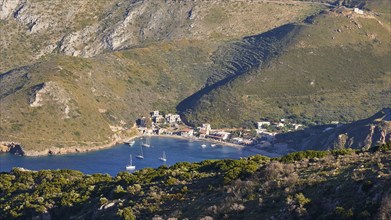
{"x":361,"y":134}
{"x":87,"y":28}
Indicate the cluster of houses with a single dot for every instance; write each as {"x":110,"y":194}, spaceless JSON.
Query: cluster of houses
{"x":267,"y":130}
{"x":171,"y":124}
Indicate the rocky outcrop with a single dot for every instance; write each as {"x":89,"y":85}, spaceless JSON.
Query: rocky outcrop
{"x":76,"y":43}
{"x":50,"y":91}
{"x":361,"y":134}
{"x":11,"y":147}
{"x":142,"y":21}
{"x":7,"y":8}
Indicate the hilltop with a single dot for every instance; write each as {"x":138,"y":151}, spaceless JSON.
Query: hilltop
{"x":342,"y":184}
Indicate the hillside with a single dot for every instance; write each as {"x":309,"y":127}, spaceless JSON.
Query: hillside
{"x":77,"y":102}
{"x":79,"y":79}
{"x":337,"y":67}
{"x":361,"y":134}
{"x":343,"y":184}
{"x":32,"y":29}
{"x":75,"y":80}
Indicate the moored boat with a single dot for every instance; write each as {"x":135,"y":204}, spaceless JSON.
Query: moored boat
{"x":163,"y":158}
{"x":130,"y":166}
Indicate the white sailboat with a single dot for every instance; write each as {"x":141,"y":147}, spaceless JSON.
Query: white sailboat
{"x":130,"y":166}
{"x":163,"y":158}
{"x":203,"y":145}
{"x":146,"y":143}
{"x":141,"y":155}
{"x":131,"y":143}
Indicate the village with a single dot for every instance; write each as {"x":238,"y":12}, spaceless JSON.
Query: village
{"x":172,"y":125}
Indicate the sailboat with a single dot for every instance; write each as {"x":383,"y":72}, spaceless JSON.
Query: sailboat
{"x":140,"y":156}
{"x":163,"y":158}
{"x":146,"y":144}
{"x":203,"y":145}
{"x":131,"y":143}
{"x":130,"y":166}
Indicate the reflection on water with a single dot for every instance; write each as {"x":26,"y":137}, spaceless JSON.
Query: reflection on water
{"x":115,"y":159}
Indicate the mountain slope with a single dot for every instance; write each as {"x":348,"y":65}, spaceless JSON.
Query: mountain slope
{"x":227,"y":63}
{"x":32,"y":29}
{"x":71,"y":101}
{"x":337,"y":68}
{"x":240,"y":57}
{"x":77,"y":79}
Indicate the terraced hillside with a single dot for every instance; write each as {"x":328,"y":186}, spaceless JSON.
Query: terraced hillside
{"x":240,"y":57}
{"x":336,"y":68}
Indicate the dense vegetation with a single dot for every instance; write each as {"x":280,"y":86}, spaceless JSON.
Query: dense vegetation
{"x":342,"y":184}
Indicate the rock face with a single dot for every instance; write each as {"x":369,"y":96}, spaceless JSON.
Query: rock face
{"x":11,"y":147}
{"x":87,"y":28}
{"x":361,"y":134}
{"x":50,"y":91}
{"x":7,"y":7}
{"x":142,"y":21}
{"x":123,"y":25}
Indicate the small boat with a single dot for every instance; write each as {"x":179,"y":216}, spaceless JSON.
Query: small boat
{"x":130,"y":166}
{"x":203,"y":145}
{"x":146,"y":143}
{"x":163,"y":158}
{"x":213,"y":145}
{"x":131,"y":143}
{"x":141,"y":155}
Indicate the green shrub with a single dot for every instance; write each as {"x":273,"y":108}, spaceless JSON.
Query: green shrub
{"x":298,"y":156}
{"x":383,"y":148}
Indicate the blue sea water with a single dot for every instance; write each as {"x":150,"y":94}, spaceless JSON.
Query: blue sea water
{"x":114,"y":160}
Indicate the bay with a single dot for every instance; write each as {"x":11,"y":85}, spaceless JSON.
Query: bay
{"x":114,"y":160}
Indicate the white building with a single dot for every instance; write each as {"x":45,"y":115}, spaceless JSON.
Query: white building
{"x":158,"y":118}
{"x":205,"y":129}
{"x":262,"y":123}
{"x":173,"y":118}
{"x":358,"y":11}
{"x":187,"y":132}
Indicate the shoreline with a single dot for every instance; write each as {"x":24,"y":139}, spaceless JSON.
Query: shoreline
{"x":75,"y":150}
{"x":197,"y":139}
